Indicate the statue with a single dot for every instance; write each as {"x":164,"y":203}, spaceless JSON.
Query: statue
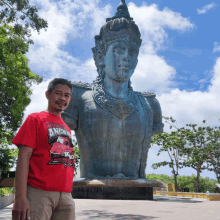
{"x":114,"y":124}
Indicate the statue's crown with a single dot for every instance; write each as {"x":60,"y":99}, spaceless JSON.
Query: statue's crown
{"x":120,"y":27}
{"x":122,"y":12}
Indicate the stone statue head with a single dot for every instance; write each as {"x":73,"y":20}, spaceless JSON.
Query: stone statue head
{"x":117,"y":46}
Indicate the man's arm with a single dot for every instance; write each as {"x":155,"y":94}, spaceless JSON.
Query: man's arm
{"x":22,"y":170}
{"x":21,"y":208}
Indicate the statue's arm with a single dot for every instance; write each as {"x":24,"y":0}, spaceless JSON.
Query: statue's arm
{"x":157,"y":115}
{"x":70,"y":115}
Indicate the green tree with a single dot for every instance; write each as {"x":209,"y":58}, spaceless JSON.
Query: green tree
{"x":16,"y":79}
{"x":190,"y":182}
{"x":196,"y":150}
{"x":187,"y":182}
{"x":173,"y":143}
{"x":15,"y":76}
{"x":162,"y":177}
{"x":213,"y":148}
{"x":8,"y":158}
{"x":24,"y":18}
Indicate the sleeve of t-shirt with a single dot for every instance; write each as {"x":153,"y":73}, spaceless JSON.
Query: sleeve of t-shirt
{"x":27,"y":133}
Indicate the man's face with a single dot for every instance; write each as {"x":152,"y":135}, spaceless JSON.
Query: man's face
{"x":120,"y":61}
{"x":59,"y":98}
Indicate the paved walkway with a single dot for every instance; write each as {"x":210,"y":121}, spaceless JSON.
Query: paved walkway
{"x":162,"y":208}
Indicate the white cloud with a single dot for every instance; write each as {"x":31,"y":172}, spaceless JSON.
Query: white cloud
{"x":152,"y":23}
{"x":216,"y":47}
{"x":193,"y":107}
{"x":64,"y":17}
{"x":206,"y":8}
{"x":152,"y":74}
{"x":67,"y":16}
{"x":215,"y":82}
{"x":38,"y":99}
{"x":152,"y":70}
{"x":66,"y":20}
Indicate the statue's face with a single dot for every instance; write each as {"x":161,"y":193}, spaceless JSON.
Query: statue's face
{"x":120,"y":61}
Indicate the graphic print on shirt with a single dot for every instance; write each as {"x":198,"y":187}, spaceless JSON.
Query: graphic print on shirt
{"x":62,"y":150}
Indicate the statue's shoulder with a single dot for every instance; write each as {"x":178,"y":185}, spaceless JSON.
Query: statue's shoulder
{"x":150,"y":98}
{"x":146,"y":94}
{"x":80,"y":85}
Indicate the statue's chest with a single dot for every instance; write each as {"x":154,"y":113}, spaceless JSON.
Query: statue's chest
{"x":104,"y":123}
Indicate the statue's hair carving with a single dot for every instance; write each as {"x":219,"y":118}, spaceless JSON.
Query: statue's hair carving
{"x":120,"y":27}
{"x":117,"y":24}
{"x":113,"y":27}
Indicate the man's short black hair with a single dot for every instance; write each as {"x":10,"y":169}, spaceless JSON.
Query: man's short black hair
{"x":56,"y":81}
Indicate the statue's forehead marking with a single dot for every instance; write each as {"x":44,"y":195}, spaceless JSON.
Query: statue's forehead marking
{"x":123,"y":44}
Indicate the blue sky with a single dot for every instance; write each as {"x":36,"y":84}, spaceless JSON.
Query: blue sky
{"x":179,"y":59}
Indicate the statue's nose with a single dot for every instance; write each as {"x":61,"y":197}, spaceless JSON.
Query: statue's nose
{"x":126,"y":56}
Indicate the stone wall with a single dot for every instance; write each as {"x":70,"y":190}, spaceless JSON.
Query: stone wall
{"x":6,"y":200}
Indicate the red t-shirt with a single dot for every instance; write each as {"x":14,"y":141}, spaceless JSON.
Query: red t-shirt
{"x":52,"y":162}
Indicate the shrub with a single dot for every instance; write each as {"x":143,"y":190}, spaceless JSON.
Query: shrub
{"x":190,"y":182}
{"x":6,"y":191}
{"x":187,"y":182}
{"x":164,"y":178}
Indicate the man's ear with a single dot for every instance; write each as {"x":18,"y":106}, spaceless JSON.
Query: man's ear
{"x":47,"y":94}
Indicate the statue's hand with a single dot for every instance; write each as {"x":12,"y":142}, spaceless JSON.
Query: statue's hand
{"x":69,"y":120}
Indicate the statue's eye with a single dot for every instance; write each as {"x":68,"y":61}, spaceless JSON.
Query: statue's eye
{"x":119,"y":50}
{"x":133,"y":53}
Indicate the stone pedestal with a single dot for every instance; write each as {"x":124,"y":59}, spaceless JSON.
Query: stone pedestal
{"x":114,"y":188}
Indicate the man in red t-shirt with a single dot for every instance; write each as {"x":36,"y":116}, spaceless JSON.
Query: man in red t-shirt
{"x":45,"y":167}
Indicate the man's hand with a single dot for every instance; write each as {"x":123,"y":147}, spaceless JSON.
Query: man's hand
{"x":21,"y":209}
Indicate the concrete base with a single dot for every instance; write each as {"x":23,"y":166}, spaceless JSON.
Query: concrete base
{"x":114,"y":188}
{"x":123,"y":193}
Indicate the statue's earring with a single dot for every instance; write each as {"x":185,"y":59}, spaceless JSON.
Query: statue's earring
{"x":103,"y":74}
{"x":101,"y":59}
{"x":136,"y":64}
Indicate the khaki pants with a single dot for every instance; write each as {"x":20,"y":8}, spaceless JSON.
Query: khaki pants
{"x":50,"y":205}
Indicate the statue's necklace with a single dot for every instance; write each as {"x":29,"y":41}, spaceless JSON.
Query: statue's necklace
{"x":118,"y":106}
{"x":128,"y":97}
